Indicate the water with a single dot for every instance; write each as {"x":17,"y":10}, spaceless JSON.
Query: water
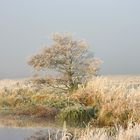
{"x":9,"y":133}
{"x":20,"y":129}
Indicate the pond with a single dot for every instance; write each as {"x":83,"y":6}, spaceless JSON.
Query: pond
{"x":17,"y":128}
{"x":9,"y":133}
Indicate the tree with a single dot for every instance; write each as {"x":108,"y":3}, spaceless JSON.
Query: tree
{"x":70,"y":60}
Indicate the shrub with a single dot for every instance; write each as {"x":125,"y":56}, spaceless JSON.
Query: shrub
{"x":77,"y":116}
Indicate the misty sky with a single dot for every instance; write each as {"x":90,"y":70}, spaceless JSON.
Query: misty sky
{"x":112,"y":28}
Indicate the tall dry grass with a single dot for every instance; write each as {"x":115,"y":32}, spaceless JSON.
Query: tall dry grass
{"x":117,"y":102}
{"x":131,"y":133}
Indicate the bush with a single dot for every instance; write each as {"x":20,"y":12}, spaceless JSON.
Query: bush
{"x":77,"y":116}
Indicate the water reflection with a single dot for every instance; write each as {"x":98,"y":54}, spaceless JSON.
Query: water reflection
{"x":16,"y":133}
{"x":17,"y":128}
{"x":17,"y":121}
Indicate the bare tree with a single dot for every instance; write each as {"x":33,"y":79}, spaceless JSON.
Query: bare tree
{"x":70,"y":59}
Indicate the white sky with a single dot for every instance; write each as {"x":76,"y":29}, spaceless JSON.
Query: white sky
{"x":112,"y":28}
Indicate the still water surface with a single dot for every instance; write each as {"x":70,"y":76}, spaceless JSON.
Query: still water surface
{"x":20,"y":129}
{"x":9,"y":133}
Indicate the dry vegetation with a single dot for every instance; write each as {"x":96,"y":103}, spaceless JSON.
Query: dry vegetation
{"x":131,"y":133}
{"x":111,"y":106}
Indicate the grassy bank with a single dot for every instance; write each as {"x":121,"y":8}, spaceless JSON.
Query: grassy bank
{"x":102,"y":103}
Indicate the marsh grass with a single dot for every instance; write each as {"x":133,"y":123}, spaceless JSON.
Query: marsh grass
{"x":77,"y":116}
{"x":104,"y":103}
{"x":90,"y":133}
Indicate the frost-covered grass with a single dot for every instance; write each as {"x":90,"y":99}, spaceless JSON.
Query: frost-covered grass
{"x":119,"y":133}
{"x":105,"y":102}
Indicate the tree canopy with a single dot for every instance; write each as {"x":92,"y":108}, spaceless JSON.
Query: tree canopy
{"x":69,"y":58}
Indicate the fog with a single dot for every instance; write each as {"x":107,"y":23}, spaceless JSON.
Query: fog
{"x":111,"y":27}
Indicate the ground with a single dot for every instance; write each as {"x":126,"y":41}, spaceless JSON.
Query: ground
{"x":104,"y":103}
